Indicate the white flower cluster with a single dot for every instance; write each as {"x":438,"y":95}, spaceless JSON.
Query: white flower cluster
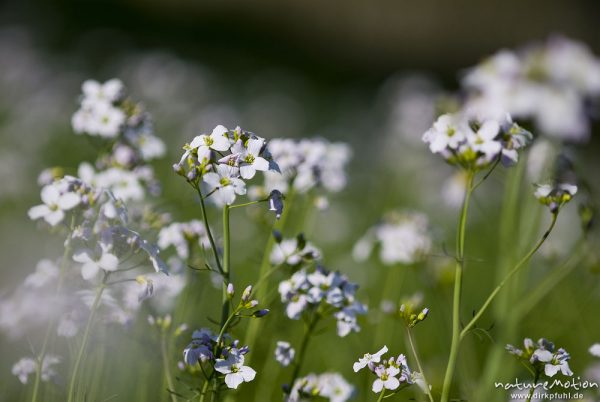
{"x":543,"y":357}
{"x":473,"y":144}
{"x":183,"y":236}
{"x":330,"y":386}
{"x":555,"y":195}
{"x":222,"y":161}
{"x":390,"y":373}
{"x":307,"y":291}
{"x":27,"y":366}
{"x":294,"y":252}
{"x":549,"y":83}
{"x":403,"y":238}
{"x":107,"y":112}
{"x":306,"y":164}
{"x":227,"y":360}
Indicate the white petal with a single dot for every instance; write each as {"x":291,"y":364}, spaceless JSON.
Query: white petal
{"x":198,"y":141}
{"x":108,"y":262}
{"x":247,"y":171}
{"x":377,"y":386}
{"x":489,"y":130}
{"x":392,"y":383}
{"x":83,"y":256}
{"x":261,"y":163}
{"x":247,"y":373}
{"x":38,"y":211}
{"x":212,"y":179}
{"x":255,"y":145}
{"x":551,"y":370}
{"x":226,"y":195}
{"x":233,"y":380}
{"x":68,"y":201}
{"x":89,"y":270}
{"x":50,"y":194}
{"x":357,"y":366}
{"x":54,"y":217}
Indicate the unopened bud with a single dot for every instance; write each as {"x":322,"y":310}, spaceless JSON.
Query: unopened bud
{"x":260,"y":313}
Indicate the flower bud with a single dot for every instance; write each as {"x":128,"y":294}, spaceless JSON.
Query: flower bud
{"x":230,"y":291}
{"x":260,"y":313}
{"x":246,"y":294}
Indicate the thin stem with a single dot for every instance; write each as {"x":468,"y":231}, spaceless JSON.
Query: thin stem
{"x":381,"y":396}
{"x":247,"y":203}
{"x":460,"y":246}
{"x":204,"y":390}
{"x":211,"y":239}
{"x":51,"y":323}
{"x":513,"y":271}
{"x":302,"y":351}
{"x":532,"y":391}
{"x":415,"y":354}
{"x":164,"y":350}
{"x":226,"y":265}
{"x":86,"y":335}
{"x":225,"y":326}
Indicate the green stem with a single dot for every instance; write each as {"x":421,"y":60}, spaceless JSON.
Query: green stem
{"x":415,"y":354}
{"x":532,"y":391}
{"x":211,"y":239}
{"x":166,"y":366}
{"x":86,"y":335}
{"x":460,"y":246}
{"x":381,"y":396}
{"x":302,"y":351}
{"x":204,"y":390}
{"x":514,"y":270}
{"x":226,"y":265}
{"x":51,"y":323}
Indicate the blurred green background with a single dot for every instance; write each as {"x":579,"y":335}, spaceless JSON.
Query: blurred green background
{"x":291,"y":69}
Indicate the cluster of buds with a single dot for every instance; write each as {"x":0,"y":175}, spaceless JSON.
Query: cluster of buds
{"x":555,"y":195}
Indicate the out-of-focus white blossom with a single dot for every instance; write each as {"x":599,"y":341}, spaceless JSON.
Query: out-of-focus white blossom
{"x":330,"y":386}
{"x":403,"y":238}
{"x":27,"y":366}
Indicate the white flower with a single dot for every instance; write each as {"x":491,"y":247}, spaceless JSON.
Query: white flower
{"x":181,"y":234}
{"x":485,"y":140}
{"x":67,"y":327}
{"x":288,"y":251}
{"x":95,"y":260}
{"x":595,"y":349}
{"x":554,"y":362}
{"x":108,"y":92}
{"x":369,"y":358}
{"x":335,"y":387}
{"x":447,"y":132}
{"x":234,"y":370}
{"x":284,"y":353}
{"x":386,"y":378}
{"x":248,"y":158}
{"x":55,"y":204}
{"x":224,"y":184}
{"x":203,"y":144}
{"x":45,"y":271}
{"x":107,"y":120}
{"x":26,"y":366}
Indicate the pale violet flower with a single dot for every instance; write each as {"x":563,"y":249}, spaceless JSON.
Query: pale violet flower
{"x":447,"y":133}
{"x":369,"y":358}
{"x":27,"y":366}
{"x":330,"y":386}
{"x":101,"y":258}
{"x":56,"y":203}
{"x":554,"y":362}
{"x":386,"y":378}
{"x":293,"y":252}
{"x":284,"y":353}
{"x":234,"y":370}
{"x":224,"y":184}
